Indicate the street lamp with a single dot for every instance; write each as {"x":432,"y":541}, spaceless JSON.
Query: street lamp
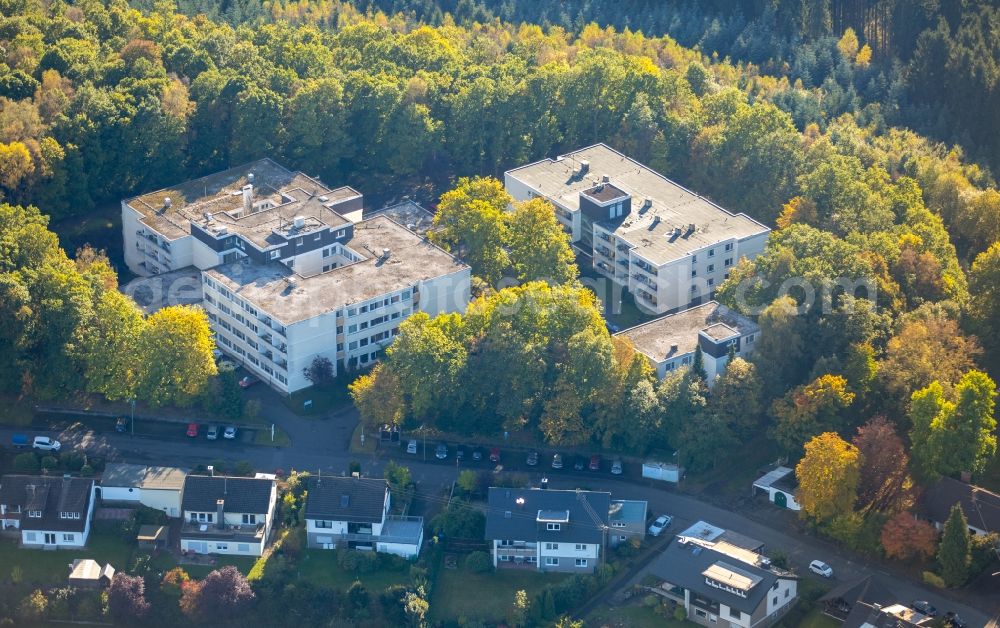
{"x":133,"y":417}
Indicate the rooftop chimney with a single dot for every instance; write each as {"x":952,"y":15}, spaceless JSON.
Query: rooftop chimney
{"x":247,"y":198}
{"x":584,"y":166}
{"x":673,"y":349}
{"x":250,"y":178}
{"x":166,"y":203}
{"x":386,"y":253}
{"x":605,"y":179}
{"x":298,"y":222}
{"x":220,"y":509}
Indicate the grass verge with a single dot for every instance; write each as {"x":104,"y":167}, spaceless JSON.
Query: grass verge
{"x":371,"y":441}
{"x":43,"y":568}
{"x":320,"y":567}
{"x":263,"y":437}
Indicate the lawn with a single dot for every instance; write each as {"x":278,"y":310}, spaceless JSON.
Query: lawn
{"x":16,"y":411}
{"x":483,"y":597}
{"x":323,"y":398}
{"x":263,"y":437}
{"x":51,"y":567}
{"x":320,"y":567}
{"x":619,"y":308}
{"x":243,"y":563}
{"x":632,"y":615}
{"x":816,"y":619}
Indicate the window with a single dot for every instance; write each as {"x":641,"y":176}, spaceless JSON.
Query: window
{"x":711,"y":282}
{"x":30,"y":536}
{"x":319,"y":236}
{"x":326,"y":267}
{"x":250,"y":519}
{"x":711,"y":252}
{"x":352,"y":328}
{"x":352,"y":312}
{"x":551,"y":561}
{"x":340,"y":346}
{"x":774,"y":602}
{"x":275,"y":254}
{"x":340,"y":329}
{"x":694,"y":273}
{"x":69,"y":538}
{"x":581,"y":562}
{"x":622,"y":538}
{"x":750,"y":338}
{"x":319,"y":523}
{"x":617,"y":524}
{"x":735,"y":614}
{"x":506,"y":542}
{"x":693,"y":288}
{"x":787,"y":591}
{"x":580,"y":547}
{"x":243,"y":548}
{"x":694,"y":258}
{"x":700,"y":613}
{"x":340,"y":233}
{"x":711,"y":267}
{"x":729,"y":247}
{"x":729,"y":261}
{"x":552,"y":546}
{"x":353,"y":345}
{"x":364,"y":308}
{"x":552,"y":526}
{"x":406,"y":294}
{"x":35,"y":514}
{"x":222,"y":547}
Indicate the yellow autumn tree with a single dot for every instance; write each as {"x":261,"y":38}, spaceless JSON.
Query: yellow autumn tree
{"x":828,"y":477}
{"x":175,"y":353}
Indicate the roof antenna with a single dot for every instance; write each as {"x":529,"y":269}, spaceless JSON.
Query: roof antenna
{"x":225,"y":485}
{"x":319,"y":476}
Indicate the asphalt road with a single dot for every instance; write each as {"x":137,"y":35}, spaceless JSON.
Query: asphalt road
{"x":322,"y":444}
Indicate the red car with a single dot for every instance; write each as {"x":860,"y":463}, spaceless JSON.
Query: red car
{"x":495,"y":454}
{"x":192,"y":430}
{"x":248,"y":381}
{"x":595,"y":463}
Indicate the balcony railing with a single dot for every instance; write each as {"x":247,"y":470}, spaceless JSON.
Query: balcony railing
{"x":249,"y":530}
{"x":516,"y":551}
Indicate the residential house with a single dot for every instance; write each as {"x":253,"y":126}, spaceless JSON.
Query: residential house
{"x":981,"y":507}
{"x":151,"y":486}
{"x":50,"y":512}
{"x":670,"y":342}
{"x":627,"y":521}
{"x":548,"y":530}
{"x":287,"y":268}
{"x":86,"y":573}
{"x":873,"y":615}
{"x":663,"y":243}
{"x":721,"y":584}
{"x":780,"y":485}
{"x":353,"y":512}
{"x":226,"y":515}
{"x":868,"y":591}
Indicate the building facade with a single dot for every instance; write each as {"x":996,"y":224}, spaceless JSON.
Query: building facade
{"x":354,"y":513}
{"x":227,"y":515}
{"x":670,"y":342}
{"x":155,"y":487}
{"x":50,"y":512}
{"x":289,"y":271}
{"x":666,"y":245}
{"x":548,"y":530}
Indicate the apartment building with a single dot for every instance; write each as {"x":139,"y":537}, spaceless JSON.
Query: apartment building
{"x":289,"y":269}
{"x":666,"y":245}
{"x":547,"y":530}
{"x":670,"y":342}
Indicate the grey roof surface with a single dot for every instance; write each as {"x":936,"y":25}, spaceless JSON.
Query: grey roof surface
{"x":241,"y":495}
{"x":628,"y":510}
{"x":220,"y":195}
{"x":398,"y":530}
{"x":364,"y":503}
{"x":51,"y":495}
{"x":522,"y":522}
{"x":142,"y":476}
{"x":649,"y":229}
{"x":655,"y":338}
{"x":684,"y":564}
{"x":177,"y":287}
{"x":409,"y":214}
{"x":981,"y":507}
{"x":412,"y":259}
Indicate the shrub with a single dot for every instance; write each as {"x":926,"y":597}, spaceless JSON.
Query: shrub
{"x":96,"y":462}
{"x":358,"y":562}
{"x":243,"y":468}
{"x":49,"y":463}
{"x":26,"y":463}
{"x":353,"y":467}
{"x":75,"y":460}
{"x":219,"y":466}
{"x":679,"y":613}
{"x":479,"y":562}
{"x":933,"y":579}
{"x":86,"y":470}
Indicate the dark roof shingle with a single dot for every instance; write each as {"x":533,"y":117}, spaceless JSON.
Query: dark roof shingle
{"x":50,"y":495}
{"x":241,"y":495}
{"x":981,"y":507}
{"x":508,"y":519}
{"x":358,"y":500}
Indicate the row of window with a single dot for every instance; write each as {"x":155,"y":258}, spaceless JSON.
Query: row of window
{"x":378,"y":320}
{"x":364,"y":342}
{"x":209,"y":517}
{"x":580,"y":547}
{"x":49,"y":538}
{"x":553,"y":561}
{"x":379,"y":303}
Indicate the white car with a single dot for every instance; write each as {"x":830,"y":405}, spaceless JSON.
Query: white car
{"x":229,"y":433}
{"x":411,"y":447}
{"x":662,"y":523}
{"x":820,"y":568}
{"x":44,"y":443}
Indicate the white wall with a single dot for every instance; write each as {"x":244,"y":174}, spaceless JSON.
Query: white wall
{"x":166,"y":500}
{"x":231,"y":548}
{"x":399,"y":549}
{"x":36,"y":538}
{"x":789,"y":586}
{"x":121,"y":494}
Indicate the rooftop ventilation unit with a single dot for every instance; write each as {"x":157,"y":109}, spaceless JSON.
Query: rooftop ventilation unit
{"x":166,"y":203}
{"x":605,"y":178}
{"x":298,"y":222}
{"x":584,"y":166}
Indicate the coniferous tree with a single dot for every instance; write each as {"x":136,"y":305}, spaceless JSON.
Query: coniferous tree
{"x":955,"y":551}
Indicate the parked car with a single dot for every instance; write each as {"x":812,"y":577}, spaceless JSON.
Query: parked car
{"x":495,"y":454}
{"x":411,"y":447}
{"x":44,"y":443}
{"x":477,"y":454}
{"x":579,"y":463}
{"x":213,"y":432}
{"x":248,"y":380}
{"x":820,"y":568}
{"x":952,"y":620}
{"x":595,"y":463}
{"x":441,"y":452}
{"x":533,"y":459}
{"x":121,"y":424}
{"x":557,"y":461}
{"x":924,"y":607}
{"x":192,"y":430}
{"x":616,"y":466}
{"x":662,"y":523}
{"x":229,"y":433}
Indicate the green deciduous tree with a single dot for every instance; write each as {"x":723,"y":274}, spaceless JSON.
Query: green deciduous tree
{"x":809,"y":410}
{"x":471,"y":223}
{"x":176,"y":356}
{"x":538,"y":245}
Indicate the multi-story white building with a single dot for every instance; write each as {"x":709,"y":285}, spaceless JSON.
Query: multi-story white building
{"x":670,"y":342}
{"x":290,"y":272}
{"x":665,"y":244}
{"x":548,"y":530}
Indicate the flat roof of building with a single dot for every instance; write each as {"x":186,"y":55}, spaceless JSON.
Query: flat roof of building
{"x":649,"y":228}
{"x":216,"y":202}
{"x":411,"y":259}
{"x":410,"y":214}
{"x":628,"y":510}
{"x":656,"y":338}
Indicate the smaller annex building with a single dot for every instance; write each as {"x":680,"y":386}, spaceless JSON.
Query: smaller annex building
{"x":780,"y":485}
{"x":155,"y":487}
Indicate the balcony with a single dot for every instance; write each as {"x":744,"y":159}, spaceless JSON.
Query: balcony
{"x":516,"y":551}
{"x":249,"y":531}
{"x":605,"y":251}
{"x":646,"y":268}
{"x":623,"y":263}
{"x":622,"y":248}
{"x":396,"y":529}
